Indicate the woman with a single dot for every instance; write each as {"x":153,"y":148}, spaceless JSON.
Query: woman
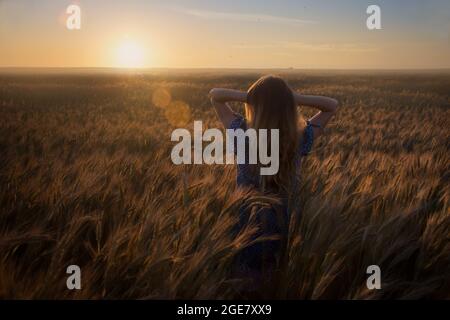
{"x":271,"y":104}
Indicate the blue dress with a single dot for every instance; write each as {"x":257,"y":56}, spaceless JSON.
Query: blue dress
{"x":244,"y":176}
{"x":258,"y":261}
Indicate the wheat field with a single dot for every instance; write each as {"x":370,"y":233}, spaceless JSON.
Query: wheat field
{"x":86,"y":179}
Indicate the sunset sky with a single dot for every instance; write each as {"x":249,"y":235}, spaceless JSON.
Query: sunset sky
{"x":233,"y":33}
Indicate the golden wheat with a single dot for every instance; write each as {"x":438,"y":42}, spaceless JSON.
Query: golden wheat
{"x":86,"y":179}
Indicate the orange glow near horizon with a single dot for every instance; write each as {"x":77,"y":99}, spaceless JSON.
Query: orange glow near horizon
{"x":298,"y":34}
{"x":130,"y":54}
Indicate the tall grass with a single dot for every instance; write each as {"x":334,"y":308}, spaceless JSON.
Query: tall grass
{"x":86,"y":179}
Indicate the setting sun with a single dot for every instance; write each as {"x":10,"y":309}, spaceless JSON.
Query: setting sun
{"x":129,"y":55}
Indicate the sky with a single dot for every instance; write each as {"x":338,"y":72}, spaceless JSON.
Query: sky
{"x":315,"y":34}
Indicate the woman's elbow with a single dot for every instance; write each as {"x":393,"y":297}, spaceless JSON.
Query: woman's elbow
{"x":213,"y":93}
{"x":335,"y":105}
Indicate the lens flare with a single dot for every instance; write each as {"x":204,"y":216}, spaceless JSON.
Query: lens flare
{"x":161,"y":98}
{"x":178,"y":113}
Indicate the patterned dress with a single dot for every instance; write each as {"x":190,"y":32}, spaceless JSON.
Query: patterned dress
{"x":258,"y":261}
{"x":244,"y":176}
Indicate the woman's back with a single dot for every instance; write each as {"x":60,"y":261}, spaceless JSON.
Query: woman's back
{"x":270,"y":104}
{"x":250,"y":178}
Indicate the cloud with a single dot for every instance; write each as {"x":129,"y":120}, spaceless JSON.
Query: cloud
{"x":245,"y":17}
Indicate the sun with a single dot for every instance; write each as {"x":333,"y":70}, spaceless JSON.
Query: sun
{"x":129,"y":55}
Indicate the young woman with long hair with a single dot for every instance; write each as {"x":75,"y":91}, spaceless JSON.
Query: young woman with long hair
{"x":271,"y":104}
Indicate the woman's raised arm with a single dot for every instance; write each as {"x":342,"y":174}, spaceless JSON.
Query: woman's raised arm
{"x":220,"y":98}
{"x":327,"y":106}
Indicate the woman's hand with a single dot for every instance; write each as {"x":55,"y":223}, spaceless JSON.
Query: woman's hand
{"x":327,"y":106}
{"x":220,"y":98}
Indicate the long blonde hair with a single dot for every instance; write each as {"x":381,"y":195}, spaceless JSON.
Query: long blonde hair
{"x":271,"y":105}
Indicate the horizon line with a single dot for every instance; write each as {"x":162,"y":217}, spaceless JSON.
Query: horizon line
{"x":228,"y":68}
